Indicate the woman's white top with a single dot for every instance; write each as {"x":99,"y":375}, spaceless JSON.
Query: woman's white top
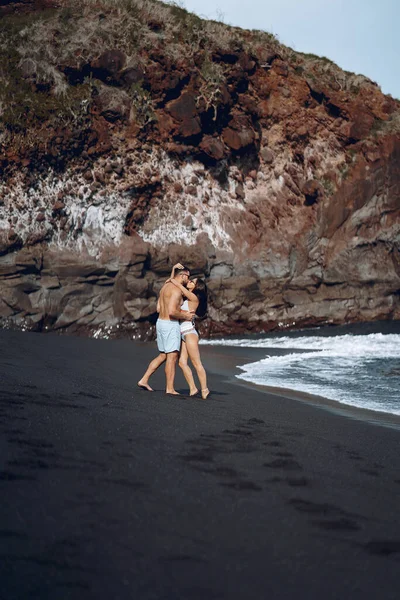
{"x":186,"y":325}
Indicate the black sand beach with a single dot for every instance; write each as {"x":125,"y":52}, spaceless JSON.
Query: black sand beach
{"x":110,"y":492}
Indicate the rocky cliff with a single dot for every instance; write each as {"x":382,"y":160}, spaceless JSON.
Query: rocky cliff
{"x":134,"y":134}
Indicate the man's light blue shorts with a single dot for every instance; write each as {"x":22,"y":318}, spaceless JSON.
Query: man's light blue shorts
{"x":168,"y":336}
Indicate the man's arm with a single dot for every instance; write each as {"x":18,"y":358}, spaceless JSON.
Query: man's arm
{"x":189,"y":295}
{"x":173,"y":307}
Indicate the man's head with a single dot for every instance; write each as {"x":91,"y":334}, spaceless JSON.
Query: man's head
{"x":182,"y":275}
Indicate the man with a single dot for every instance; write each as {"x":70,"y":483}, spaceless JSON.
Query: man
{"x":168,"y":330}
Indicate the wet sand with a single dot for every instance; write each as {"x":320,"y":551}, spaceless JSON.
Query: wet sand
{"x":107,"y":491}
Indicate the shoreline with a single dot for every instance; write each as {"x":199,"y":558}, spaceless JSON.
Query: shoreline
{"x":235,"y":356}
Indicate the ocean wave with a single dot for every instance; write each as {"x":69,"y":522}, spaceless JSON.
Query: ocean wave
{"x":358,"y":370}
{"x":374,"y":344}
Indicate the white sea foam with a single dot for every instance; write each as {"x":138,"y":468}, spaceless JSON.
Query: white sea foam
{"x":359,"y":370}
{"x":374,"y":344}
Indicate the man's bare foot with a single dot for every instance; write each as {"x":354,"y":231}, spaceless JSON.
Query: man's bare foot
{"x":144,"y":386}
{"x":205,"y":393}
{"x":194,"y":392}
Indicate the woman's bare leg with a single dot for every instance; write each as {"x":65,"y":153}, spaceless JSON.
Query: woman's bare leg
{"x":152,"y":368}
{"x":187,"y":371}
{"x":192,"y":346}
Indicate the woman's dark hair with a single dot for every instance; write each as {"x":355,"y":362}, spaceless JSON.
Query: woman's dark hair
{"x":200,"y":291}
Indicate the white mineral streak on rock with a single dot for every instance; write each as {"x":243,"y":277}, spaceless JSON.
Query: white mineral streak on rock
{"x":208,"y":207}
{"x":102,"y":223}
{"x":96,"y":218}
{"x":92,"y":220}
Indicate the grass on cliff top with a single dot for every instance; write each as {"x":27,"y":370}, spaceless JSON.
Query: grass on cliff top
{"x":36,"y":47}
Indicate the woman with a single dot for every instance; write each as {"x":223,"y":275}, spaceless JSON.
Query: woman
{"x":196,"y":302}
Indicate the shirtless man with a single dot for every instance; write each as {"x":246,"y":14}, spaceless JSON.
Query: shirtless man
{"x":168,"y":331}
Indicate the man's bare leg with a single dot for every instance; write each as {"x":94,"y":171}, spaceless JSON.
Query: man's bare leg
{"x":170,"y":368}
{"x":152,"y":368}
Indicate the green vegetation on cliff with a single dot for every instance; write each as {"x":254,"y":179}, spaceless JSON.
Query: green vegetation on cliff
{"x":47,"y":57}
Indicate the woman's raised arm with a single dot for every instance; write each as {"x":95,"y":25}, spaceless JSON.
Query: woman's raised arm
{"x":189,"y":295}
{"x":177,"y":266}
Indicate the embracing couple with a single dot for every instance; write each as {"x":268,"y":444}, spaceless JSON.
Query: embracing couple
{"x":180,"y":300}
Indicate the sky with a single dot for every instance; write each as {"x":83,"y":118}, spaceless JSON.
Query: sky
{"x":361,"y":36}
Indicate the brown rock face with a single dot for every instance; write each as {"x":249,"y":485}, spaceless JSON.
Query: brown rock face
{"x":273,"y":175}
{"x":239,"y":134}
{"x":312,"y":191}
{"x":113,"y":104}
{"x":361,"y":125}
{"x":212,"y":147}
{"x":184,"y":112}
{"x":9,"y":241}
{"x":106,"y":66}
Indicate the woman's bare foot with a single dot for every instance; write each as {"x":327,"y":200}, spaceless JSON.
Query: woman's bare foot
{"x":205,"y":393}
{"x":144,"y":386}
{"x":194,"y":392}
{"x":172,"y":393}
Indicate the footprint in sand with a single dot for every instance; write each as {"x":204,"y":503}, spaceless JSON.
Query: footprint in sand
{"x":354,"y":455}
{"x":298,"y":482}
{"x":370,"y":472}
{"x":341,"y":524}
{"x":314,"y":507}
{"x":284,"y":454}
{"x":337,"y":518}
{"x":197,"y":457}
{"x":255,"y":421}
{"x":223,"y":472}
{"x":241,"y":432}
{"x":243,"y":485}
{"x":273,"y":444}
{"x":10,"y":476}
{"x":291,"y":481}
{"x":287,"y":464}
{"x":383,"y":547}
